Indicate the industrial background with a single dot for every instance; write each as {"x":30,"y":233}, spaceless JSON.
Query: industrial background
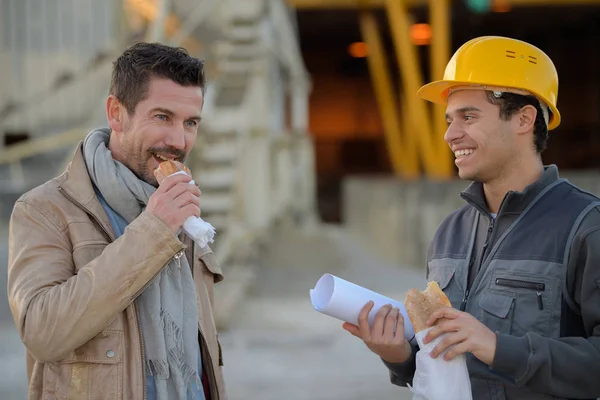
{"x":315,"y":154}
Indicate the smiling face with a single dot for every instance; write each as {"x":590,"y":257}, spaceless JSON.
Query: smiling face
{"x":163,"y":126}
{"x":484,"y":144}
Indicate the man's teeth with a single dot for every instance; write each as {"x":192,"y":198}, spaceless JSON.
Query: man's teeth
{"x":162,"y":157}
{"x":461,"y":153}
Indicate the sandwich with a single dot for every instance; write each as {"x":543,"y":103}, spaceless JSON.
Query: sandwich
{"x":421,"y":305}
{"x":170,"y":167}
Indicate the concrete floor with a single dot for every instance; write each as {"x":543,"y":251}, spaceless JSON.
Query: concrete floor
{"x":276,"y":345}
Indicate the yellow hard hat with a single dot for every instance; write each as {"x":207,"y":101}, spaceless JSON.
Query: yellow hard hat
{"x":499,"y":64}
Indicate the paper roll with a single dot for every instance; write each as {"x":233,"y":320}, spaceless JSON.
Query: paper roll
{"x":343,"y":300}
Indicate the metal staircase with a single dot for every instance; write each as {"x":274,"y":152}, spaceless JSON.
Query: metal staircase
{"x":253,"y":160}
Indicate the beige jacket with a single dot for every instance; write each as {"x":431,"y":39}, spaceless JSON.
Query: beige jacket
{"x":71,"y":286}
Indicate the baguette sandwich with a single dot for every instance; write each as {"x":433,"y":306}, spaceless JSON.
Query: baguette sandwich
{"x":167,"y":168}
{"x":420,"y":305}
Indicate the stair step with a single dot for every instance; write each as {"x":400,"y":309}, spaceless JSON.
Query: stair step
{"x":219,"y":136}
{"x":216,"y":202}
{"x":229,"y":66}
{"x":244,"y":33}
{"x":224,"y":119}
{"x":220,"y":221}
{"x":230,"y":96}
{"x":215,"y":179}
{"x":237,"y":51}
{"x":220,"y":152}
{"x":246,"y":11}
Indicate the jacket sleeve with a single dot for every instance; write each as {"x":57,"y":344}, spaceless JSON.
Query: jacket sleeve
{"x":402,"y":374}
{"x":57,"y":309}
{"x":566,"y":367}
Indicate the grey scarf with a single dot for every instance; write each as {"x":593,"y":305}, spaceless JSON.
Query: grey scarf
{"x":168,"y":309}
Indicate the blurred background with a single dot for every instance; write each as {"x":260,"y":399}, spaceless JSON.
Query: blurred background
{"x":315,"y":154}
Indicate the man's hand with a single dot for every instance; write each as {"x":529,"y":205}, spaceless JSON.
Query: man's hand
{"x":464,"y":333}
{"x":382,"y":340}
{"x":174,"y":201}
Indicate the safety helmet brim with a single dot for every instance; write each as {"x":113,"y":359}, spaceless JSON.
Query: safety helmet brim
{"x":438,"y":91}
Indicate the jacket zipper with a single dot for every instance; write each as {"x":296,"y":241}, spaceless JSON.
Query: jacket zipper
{"x":463,"y":304}
{"x":519,"y":284}
{"x":143,"y":350}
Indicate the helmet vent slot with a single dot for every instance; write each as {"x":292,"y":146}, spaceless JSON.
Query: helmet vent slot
{"x":511,"y":54}
{"x":532,"y":60}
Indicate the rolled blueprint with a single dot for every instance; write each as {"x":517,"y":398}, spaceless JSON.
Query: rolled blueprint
{"x":343,"y":300}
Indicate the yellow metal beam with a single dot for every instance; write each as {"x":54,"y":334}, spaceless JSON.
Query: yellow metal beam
{"x":354,"y":4}
{"x":411,"y":81}
{"x":404,"y":161}
{"x":439,"y":16}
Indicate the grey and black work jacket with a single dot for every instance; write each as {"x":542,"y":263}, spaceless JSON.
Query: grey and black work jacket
{"x":532,"y":275}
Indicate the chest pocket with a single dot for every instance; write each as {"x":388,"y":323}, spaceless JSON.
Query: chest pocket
{"x":448,"y":273}
{"x":517,"y":303}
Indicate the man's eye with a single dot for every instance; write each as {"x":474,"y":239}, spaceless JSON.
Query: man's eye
{"x":192,"y":123}
{"x":468,"y":117}
{"x":162,"y":117}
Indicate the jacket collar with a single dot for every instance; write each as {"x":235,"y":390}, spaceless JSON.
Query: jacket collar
{"x":514,"y":202}
{"x":78,"y":187}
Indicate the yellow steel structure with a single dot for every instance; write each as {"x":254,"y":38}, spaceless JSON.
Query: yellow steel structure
{"x":412,"y":80}
{"x":404,"y":159}
{"x":353,"y":4}
{"x":423,"y":130}
{"x":439,"y":17}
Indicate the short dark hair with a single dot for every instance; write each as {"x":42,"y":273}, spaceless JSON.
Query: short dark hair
{"x":141,"y":61}
{"x":510,"y":103}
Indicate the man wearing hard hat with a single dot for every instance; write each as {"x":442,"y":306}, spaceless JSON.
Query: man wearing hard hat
{"x":520,"y":262}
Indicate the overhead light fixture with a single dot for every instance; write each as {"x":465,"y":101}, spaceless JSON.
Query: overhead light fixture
{"x":358,"y":50}
{"x":420,"y":34}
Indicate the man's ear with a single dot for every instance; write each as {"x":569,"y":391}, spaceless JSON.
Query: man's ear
{"x":526,"y":119}
{"x":114,"y":114}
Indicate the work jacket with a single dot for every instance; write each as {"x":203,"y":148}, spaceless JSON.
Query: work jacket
{"x":531,"y":274}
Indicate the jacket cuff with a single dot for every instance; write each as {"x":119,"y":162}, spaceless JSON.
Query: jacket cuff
{"x":512,"y":355}
{"x":402,"y":374}
{"x":163,"y":235}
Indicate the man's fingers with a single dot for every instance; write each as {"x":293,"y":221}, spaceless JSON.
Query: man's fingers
{"x":439,"y":329}
{"x":186,"y":198}
{"x":380,"y":320}
{"x":172,"y":180}
{"x":353,"y":329}
{"x":457,"y":348}
{"x":390,"y":323}
{"x":448,"y":340}
{"x":446,"y":312}
{"x":363,"y":320}
{"x":399,"y":334}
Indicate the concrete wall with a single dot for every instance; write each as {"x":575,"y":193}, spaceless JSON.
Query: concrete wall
{"x":398,"y":219}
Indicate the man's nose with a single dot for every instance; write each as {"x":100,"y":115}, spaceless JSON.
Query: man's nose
{"x":453,"y":133}
{"x":176,"y":138}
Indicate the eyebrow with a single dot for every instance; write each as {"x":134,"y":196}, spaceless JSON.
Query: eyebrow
{"x":170,"y":113}
{"x":464,"y":110}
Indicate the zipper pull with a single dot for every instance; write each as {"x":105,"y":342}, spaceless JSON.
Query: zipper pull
{"x":463,"y":304}
{"x":539,"y":301}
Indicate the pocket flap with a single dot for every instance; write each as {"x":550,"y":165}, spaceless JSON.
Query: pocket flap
{"x":210,"y":262}
{"x":105,"y":348}
{"x":442,"y":276}
{"x":496,"y":304}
